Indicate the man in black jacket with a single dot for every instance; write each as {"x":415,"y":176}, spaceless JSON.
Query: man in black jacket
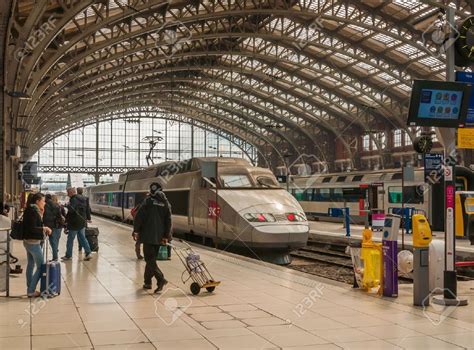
{"x":152,"y":225}
{"x":76,"y":220}
{"x":80,"y":192}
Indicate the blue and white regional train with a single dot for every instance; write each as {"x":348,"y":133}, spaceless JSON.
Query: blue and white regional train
{"x":368,"y":191}
{"x":253,"y":211}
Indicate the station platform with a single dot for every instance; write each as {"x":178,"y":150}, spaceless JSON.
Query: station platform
{"x":257,"y":306}
{"x":331,"y":231}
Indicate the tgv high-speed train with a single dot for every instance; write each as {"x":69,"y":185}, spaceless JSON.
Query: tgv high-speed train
{"x":363,"y":192}
{"x":247,"y":208}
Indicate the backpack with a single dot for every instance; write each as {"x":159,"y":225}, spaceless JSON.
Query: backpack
{"x":50,"y":214}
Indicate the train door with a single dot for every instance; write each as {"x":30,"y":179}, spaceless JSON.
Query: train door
{"x":192,"y":194}
{"x":375,"y":196}
{"x":202,"y":207}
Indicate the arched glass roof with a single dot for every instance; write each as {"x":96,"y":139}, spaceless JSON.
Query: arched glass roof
{"x":286,"y":76}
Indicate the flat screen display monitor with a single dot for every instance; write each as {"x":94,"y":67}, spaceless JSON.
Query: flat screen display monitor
{"x":468,"y":77}
{"x":438,"y":103}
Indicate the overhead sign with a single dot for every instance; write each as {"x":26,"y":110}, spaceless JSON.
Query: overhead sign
{"x":468,"y":77}
{"x":466,"y":138}
{"x":434,"y":170}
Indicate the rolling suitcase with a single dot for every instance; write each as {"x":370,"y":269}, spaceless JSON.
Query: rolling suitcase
{"x":50,"y":284}
{"x":92,"y":236}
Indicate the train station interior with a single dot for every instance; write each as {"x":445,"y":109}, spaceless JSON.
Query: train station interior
{"x":237,"y":174}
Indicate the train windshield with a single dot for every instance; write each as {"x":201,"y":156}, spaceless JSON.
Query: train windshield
{"x":235,"y":181}
{"x":245,"y":181}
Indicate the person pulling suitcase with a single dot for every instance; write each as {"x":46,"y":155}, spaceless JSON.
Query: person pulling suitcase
{"x":34,"y":233}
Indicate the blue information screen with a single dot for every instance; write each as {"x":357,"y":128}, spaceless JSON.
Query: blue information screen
{"x":440,"y":104}
{"x":467,"y":77}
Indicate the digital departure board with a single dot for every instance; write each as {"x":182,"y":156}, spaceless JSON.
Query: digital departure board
{"x":439,"y":103}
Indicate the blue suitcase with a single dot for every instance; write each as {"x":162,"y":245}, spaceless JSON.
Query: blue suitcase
{"x":50,"y":284}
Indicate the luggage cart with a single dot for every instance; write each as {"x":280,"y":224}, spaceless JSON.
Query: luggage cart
{"x":195,"y":268}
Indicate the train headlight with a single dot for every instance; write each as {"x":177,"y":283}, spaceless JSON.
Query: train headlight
{"x":259,"y":217}
{"x":295,"y":217}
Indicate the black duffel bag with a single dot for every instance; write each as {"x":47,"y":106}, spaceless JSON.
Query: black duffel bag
{"x":17,"y":229}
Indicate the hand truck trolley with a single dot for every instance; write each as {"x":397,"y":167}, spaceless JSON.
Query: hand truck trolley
{"x":195,"y":268}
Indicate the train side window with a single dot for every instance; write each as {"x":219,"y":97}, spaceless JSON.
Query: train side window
{"x":311,"y":192}
{"x":139,"y":197}
{"x":411,"y":194}
{"x":352,"y":194}
{"x":131,"y":200}
{"x":337,"y":195}
{"x":324,"y":194}
{"x":397,"y":176}
{"x":299,"y":195}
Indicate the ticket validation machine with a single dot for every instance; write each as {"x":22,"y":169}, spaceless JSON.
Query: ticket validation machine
{"x":390,"y":255}
{"x":421,"y":240}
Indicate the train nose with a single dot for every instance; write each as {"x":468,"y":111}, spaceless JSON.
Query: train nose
{"x":280,"y":236}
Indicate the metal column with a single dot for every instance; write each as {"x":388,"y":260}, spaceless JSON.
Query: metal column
{"x":448,"y":139}
{"x":97,"y":175}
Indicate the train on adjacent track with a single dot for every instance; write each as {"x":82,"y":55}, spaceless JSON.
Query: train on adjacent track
{"x":370,"y":191}
{"x":247,"y":209}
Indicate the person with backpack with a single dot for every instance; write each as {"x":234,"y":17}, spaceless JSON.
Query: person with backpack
{"x":76,"y":219}
{"x":34,"y":233}
{"x":152,"y":226}
{"x":54,"y":219}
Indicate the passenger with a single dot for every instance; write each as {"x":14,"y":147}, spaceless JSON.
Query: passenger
{"x":54,"y":219}
{"x":33,"y":236}
{"x":80,"y":191}
{"x":76,"y":220}
{"x":152,"y":226}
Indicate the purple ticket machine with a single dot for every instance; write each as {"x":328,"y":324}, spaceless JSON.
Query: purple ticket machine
{"x":390,"y":253}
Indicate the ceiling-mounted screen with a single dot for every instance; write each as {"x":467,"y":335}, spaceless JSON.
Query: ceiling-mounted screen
{"x":438,"y":103}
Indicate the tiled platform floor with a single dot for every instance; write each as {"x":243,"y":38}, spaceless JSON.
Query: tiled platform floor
{"x":257,"y":306}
